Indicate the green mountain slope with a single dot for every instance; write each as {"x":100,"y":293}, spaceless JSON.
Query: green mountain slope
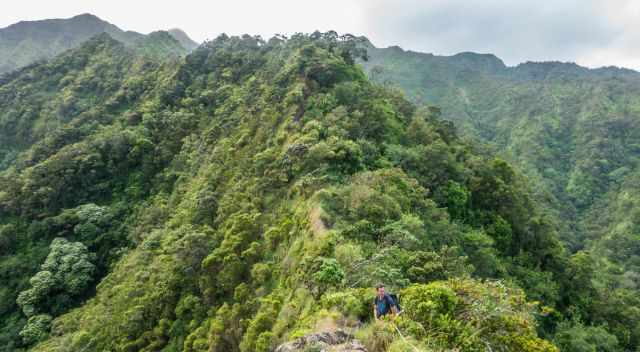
{"x":74,"y":88}
{"x":47,"y":113}
{"x":160,"y":44}
{"x":253,"y":192}
{"x":183,"y":39}
{"x":26,"y":42}
{"x":573,"y":131}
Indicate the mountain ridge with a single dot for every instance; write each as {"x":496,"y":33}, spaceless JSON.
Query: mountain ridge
{"x":247,"y":194}
{"x":25,"y":42}
{"x":252,"y":192}
{"x":493,"y":57}
{"x":574,"y":132}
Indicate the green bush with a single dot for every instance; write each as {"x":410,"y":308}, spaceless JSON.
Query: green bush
{"x":329,"y":272}
{"x":428,"y":304}
{"x":353,"y":303}
{"x":576,"y":337}
{"x":66,"y":273}
{"x":36,"y":329}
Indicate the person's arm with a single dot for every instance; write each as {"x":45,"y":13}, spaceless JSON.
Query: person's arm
{"x":393,"y":306}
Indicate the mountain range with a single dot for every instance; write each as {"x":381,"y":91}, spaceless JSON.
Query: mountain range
{"x":574,"y":131}
{"x":26,"y":42}
{"x":156,"y":195}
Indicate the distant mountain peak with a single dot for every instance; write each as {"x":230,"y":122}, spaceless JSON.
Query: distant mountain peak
{"x":364,"y":41}
{"x":472,"y":54}
{"x":485,"y":62}
{"x":176,"y":31}
{"x":183,"y":38}
{"x":88,"y":16}
{"x":160,"y":44}
{"x":26,"y":42}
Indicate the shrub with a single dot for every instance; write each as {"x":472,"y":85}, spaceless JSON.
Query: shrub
{"x":353,"y":303}
{"x":471,"y":316}
{"x":426,"y":303}
{"x":377,"y":336}
{"x":66,"y":272}
{"x":329,"y":274}
{"x":576,"y":337}
{"x":36,"y":329}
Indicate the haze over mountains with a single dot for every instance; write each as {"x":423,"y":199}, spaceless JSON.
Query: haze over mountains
{"x":234,"y":196}
{"x":26,"y":42}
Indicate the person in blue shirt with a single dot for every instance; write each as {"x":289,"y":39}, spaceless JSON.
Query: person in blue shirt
{"x":383,"y":304}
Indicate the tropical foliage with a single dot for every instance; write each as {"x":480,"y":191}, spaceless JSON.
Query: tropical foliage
{"x":574,"y":133}
{"x":255,"y":190}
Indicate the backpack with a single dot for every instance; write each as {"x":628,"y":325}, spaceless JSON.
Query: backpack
{"x":396,"y":301}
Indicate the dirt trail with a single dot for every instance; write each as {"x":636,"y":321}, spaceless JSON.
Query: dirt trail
{"x":315,"y":220}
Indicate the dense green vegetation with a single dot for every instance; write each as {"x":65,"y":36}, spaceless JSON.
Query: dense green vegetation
{"x":26,"y":42}
{"x":255,"y":191}
{"x":574,"y":133}
{"x":571,"y":129}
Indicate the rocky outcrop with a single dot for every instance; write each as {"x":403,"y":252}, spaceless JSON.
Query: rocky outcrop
{"x":337,"y":341}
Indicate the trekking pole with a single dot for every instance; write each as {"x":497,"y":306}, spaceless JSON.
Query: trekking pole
{"x":403,"y":338}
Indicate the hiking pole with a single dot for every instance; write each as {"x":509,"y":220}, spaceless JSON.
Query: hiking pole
{"x":403,"y":338}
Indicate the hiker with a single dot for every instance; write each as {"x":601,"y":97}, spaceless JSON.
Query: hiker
{"x":383,"y":303}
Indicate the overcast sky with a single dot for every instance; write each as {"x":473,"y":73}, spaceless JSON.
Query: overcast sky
{"x":590,"y":32}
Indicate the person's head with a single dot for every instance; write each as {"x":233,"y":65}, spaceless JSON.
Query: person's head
{"x":380,"y":289}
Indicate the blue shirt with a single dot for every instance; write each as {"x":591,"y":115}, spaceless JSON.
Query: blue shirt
{"x":383,"y":306}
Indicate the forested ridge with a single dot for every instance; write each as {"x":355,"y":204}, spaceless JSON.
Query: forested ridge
{"x":26,"y":42}
{"x":573,"y":131}
{"x":255,"y":191}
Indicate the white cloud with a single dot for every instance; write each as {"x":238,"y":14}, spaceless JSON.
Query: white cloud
{"x":517,"y":31}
